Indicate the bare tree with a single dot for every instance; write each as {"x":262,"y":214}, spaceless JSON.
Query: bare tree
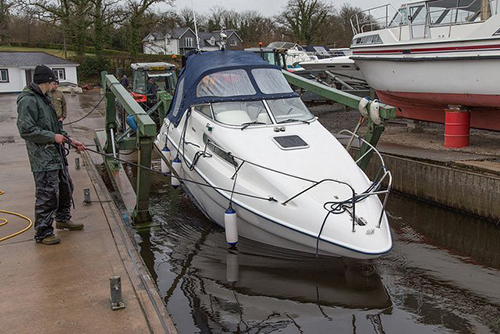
{"x":72,"y":15}
{"x":106,"y":14}
{"x":305,"y":18}
{"x":216,"y":18}
{"x":254,"y":28}
{"x":137,"y":18}
{"x":5,"y":6}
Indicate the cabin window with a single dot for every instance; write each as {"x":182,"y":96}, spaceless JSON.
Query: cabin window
{"x":233,"y":42}
{"x":271,"y":81}
{"x":204,"y":109}
{"x":289,"y":110}
{"x":445,"y":13}
{"x":4,"y":75}
{"x":225,"y":83}
{"x":178,"y":99}
{"x":370,"y":39}
{"x":218,"y":151}
{"x":241,"y":113}
{"x":400,"y":19}
{"x":417,"y":15}
{"x":60,"y":73}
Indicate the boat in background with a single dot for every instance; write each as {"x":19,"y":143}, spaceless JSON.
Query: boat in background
{"x":341,"y":66}
{"x":294,"y":54}
{"x":258,"y":163}
{"x":431,"y":55}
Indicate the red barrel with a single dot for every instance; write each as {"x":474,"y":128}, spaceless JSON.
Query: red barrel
{"x":456,"y":128}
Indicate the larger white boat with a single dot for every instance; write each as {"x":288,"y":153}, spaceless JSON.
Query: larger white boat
{"x":432,"y":54}
{"x":253,"y":158}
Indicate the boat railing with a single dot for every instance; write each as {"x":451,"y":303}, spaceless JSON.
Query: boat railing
{"x":383,"y":175}
{"x":374,"y":18}
{"x":344,"y":204}
{"x":387,"y":16}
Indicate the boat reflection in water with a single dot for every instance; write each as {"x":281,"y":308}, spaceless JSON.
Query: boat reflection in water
{"x":441,"y":277}
{"x":208,"y":287}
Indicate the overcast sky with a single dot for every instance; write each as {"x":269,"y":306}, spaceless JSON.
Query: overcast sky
{"x":267,"y":7}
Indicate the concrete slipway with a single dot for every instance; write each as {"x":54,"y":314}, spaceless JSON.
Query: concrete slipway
{"x":65,"y":288}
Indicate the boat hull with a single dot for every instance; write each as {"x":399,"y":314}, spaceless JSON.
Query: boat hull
{"x":423,"y":87}
{"x":342,"y":66}
{"x":292,"y":226}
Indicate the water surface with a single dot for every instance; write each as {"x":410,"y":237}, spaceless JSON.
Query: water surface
{"x":442,"y":276}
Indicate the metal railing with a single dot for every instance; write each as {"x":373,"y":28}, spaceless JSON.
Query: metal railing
{"x":380,"y":178}
{"x":384,"y":16}
{"x":374,"y":18}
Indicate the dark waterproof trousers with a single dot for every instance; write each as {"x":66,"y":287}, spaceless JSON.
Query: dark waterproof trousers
{"x":54,"y":190}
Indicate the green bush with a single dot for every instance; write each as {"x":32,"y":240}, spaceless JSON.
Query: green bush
{"x":92,"y":67}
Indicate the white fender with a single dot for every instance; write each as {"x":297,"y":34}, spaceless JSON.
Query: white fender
{"x":375,"y":112}
{"x":362,"y":107}
{"x":166,"y":154}
{"x":176,"y":165}
{"x":231,"y":227}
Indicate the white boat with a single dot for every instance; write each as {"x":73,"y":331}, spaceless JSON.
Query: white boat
{"x":342,"y":66}
{"x":294,"y":54}
{"x":253,"y":158}
{"x":432,"y":54}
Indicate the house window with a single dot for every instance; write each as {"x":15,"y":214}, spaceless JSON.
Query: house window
{"x":4,"y":75}
{"x":60,"y":73}
{"x":233,"y":42}
{"x":188,"y":42}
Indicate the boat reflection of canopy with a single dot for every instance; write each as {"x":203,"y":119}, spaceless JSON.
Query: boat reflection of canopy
{"x":255,"y":160}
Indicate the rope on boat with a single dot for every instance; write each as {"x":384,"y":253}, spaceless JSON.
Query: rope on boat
{"x":110,"y":156}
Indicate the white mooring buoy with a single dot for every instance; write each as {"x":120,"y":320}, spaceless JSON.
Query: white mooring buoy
{"x":166,"y":154}
{"x":176,"y":165}
{"x":231,"y":227}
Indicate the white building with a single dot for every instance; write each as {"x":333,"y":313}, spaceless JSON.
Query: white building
{"x":180,"y":41}
{"x":17,"y":69}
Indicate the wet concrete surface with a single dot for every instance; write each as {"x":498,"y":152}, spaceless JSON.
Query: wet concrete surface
{"x":64,"y":288}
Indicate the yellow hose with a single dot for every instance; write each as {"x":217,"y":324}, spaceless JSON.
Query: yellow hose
{"x":4,"y":221}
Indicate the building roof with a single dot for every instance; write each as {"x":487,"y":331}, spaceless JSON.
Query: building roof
{"x":204,"y":36}
{"x":31,"y":59}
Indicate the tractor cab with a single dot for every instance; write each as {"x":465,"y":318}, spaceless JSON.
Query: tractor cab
{"x":150,"y":78}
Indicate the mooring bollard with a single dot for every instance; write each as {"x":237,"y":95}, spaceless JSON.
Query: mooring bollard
{"x":115,"y":284}
{"x":77,"y":163}
{"x":86,"y":196}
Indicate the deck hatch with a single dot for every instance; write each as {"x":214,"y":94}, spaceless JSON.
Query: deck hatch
{"x":290,"y":142}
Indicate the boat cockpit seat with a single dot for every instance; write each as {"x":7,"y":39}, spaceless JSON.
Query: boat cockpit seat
{"x":263,"y":117}
{"x":233,"y":117}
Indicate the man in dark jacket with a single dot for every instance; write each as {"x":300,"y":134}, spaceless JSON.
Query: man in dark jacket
{"x":38,"y":126}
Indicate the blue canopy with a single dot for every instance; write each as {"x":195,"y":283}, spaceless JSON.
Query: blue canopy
{"x":202,"y":65}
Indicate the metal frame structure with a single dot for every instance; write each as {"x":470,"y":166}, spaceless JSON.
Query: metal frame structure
{"x":143,"y":141}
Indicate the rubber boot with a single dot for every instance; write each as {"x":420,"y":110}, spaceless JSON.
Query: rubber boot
{"x":50,"y":240}
{"x":69,"y":225}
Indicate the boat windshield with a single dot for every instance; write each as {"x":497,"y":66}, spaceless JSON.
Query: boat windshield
{"x":225,"y":83}
{"x":289,"y":110}
{"x":450,"y":12}
{"x":241,"y":113}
